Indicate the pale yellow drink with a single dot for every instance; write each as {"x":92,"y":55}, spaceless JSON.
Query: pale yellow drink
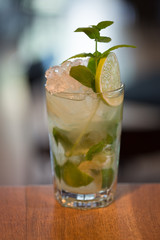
{"x":84,"y":134}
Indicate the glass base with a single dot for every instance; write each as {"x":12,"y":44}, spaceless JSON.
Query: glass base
{"x":84,"y":201}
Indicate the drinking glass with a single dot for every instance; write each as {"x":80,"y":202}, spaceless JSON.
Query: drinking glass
{"x":84,"y":137}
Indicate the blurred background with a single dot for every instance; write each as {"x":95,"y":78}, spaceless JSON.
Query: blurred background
{"x":36,"y":34}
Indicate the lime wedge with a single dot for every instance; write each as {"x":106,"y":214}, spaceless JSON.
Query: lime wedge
{"x":108,"y":79}
{"x":73,"y":177}
{"x":107,"y":177}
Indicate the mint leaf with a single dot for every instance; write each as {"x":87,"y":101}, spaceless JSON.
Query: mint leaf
{"x":92,"y":33}
{"x":103,"y":39}
{"x":107,"y":177}
{"x":83,"y":75}
{"x":105,"y":54}
{"x":60,"y":136}
{"x":95,"y":149}
{"x":104,"y":24}
{"x":93,"y":62}
{"x":81,"y":55}
{"x":92,"y":65}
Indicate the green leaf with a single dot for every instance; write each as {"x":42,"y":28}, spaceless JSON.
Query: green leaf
{"x":104,"y":39}
{"x":80,"y":55}
{"x":92,"y":65}
{"x":83,"y":75}
{"x":93,"y":62}
{"x":105,"y":54}
{"x":73,"y":177}
{"x":60,"y":136}
{"x":95,"y":149}
{"x":104,"y":24}
{"x":107,"y":177}
{"x":92,"y":33}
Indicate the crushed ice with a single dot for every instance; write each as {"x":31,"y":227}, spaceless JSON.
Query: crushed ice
{"x":59,"y":80}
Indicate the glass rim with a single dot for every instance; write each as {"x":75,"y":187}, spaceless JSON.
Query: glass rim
{"x":109,"y":93}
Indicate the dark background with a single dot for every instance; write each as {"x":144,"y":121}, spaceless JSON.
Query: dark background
{"x":37,"y":34}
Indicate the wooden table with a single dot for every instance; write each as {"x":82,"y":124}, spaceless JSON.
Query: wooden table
{"x":32,"y":212}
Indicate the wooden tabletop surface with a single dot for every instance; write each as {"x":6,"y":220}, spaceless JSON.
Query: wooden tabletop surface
{"x":32,"y":212}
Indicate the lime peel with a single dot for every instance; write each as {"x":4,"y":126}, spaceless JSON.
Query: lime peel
{"x":73,"y":177}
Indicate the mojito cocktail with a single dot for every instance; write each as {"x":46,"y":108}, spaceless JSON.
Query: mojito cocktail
{"x":84,"y":99}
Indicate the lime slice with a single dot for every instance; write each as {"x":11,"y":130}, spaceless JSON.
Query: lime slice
{"x":73,"y":177}
{"x":108,"y":79}
{"x":107,"y":177}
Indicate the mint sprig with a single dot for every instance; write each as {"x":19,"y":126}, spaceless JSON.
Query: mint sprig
{"x":86,"y":75}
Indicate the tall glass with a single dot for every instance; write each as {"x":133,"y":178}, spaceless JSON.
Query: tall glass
{"x":84,"y":135}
